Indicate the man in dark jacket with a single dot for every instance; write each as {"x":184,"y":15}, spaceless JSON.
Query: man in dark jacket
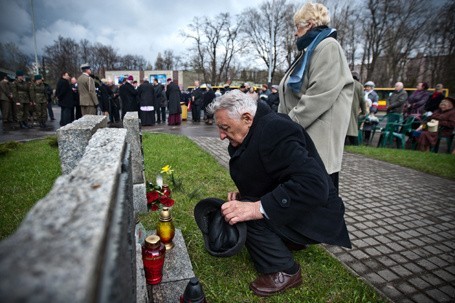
{"x":197,"y":99}
{"x":128,"y":95}
{"x":397,"y":99}
{"x":208,"y":98}
{"x":66,"y":101}
{"x":160,"y":101}
{"x":275,"y":165}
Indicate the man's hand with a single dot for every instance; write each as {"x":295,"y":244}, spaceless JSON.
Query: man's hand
{"x":236,"y":211}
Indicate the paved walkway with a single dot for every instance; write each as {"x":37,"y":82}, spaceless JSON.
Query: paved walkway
{"x":401,"y":221}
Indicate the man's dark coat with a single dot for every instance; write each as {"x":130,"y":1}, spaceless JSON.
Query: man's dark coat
{"x":278,"y":164}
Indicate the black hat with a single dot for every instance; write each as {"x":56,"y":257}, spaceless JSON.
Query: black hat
{"x":221,"y":239}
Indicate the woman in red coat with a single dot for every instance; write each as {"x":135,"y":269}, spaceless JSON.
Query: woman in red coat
{"x":446,"y":119}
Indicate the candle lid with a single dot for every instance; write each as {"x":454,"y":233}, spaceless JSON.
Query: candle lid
{"x":165,"y":214}
{"x":152,"y":240}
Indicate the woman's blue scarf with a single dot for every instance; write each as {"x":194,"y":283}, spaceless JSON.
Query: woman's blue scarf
{"x":309,"y":41}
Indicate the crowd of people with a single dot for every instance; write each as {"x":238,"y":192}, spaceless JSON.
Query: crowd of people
{"x":25,"y":103}
{"x":28,"y":102}
{"x":420,"y":107}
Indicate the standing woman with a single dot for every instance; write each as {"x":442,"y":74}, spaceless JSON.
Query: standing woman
{"x":173,"y":95}
{"x":318,"y":88}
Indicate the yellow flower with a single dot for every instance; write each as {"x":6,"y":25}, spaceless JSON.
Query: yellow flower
{"x":167,"y":169}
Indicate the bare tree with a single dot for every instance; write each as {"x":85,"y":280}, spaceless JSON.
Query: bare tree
{"x":216,"y":42}
{"x":407,"y":20}
{"x":198,"y":59}
{"x":159,"y":62}
{"x":104,"y":58}
{"x":168,"y":59}
{"x":344,"y":19}
{"x":375,"y":26}
{"x":439,"y":45}
{"x":62,"y":56}
{"x":267,"y":29}
{"x":11,"y":57}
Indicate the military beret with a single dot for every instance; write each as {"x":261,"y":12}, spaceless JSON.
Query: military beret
{"x":38,"y":77}
{"x":19,"y":73}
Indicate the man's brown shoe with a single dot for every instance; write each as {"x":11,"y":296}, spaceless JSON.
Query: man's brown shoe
{"x":267,"y":285}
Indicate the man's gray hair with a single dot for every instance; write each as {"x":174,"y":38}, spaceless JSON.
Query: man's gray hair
{"x":235,"y":102}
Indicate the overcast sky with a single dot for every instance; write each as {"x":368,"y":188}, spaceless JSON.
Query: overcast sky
{"x":137,"y":27}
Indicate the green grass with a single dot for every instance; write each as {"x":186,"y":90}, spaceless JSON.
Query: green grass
{"x":27,"y":173}
{"x":440,"y":164}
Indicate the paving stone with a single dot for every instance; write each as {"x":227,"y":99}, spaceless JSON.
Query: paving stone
{"x":392,"y":293}
{"x":384,"y":249}
{"x":432,"y":279}
{"x":359,"y":268}
{"x":375,"y":278}
{"x":417,"y":242}
{"x":383,"y":239}
{"x":359,"y":244}
{"x":372,"y":251}
{"x":414,"y":268}
{"x":359,"y":255}
{"x":359,"y":234}
{"x":410,"y":255}
{"x":446,"y":276}
{"x":401,"y":271}
{"x":419,"y":283}
{"x":427,"y":264}
{"x":395,"y":247}
{"x":373,"y":264}
{"x":371,"y":241}
{"x":388,"y":275}
{"x":407,"y":289}
{"x":449,"y":290}
{"x":439,"y":296}
{"x":345,"y":258}
{"x":421,"y":298}
{"x":387,"y":261}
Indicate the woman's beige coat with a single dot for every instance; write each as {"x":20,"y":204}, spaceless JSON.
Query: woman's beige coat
{"x":323,"y":105}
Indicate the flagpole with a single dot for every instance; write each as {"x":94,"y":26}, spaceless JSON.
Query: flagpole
{"x":34,"y":39}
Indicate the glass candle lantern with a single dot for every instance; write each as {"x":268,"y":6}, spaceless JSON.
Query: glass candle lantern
{"x":153,"y":254}
{"x":165,"y":228}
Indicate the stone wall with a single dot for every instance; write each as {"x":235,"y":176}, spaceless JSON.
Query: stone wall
{"x":77,"y":243}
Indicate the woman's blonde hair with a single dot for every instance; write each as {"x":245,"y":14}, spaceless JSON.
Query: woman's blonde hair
{"x":315,"y":12}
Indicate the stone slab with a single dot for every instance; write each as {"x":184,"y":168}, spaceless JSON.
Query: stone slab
{"x":139,"y":198}
{"x":132,"y":124}
{"x":74,"y":137}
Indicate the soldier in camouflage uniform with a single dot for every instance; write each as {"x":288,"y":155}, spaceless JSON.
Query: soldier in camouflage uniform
{"x":39,"y":98}
{"x":21,"y":92}
{"x":6,"y":99}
